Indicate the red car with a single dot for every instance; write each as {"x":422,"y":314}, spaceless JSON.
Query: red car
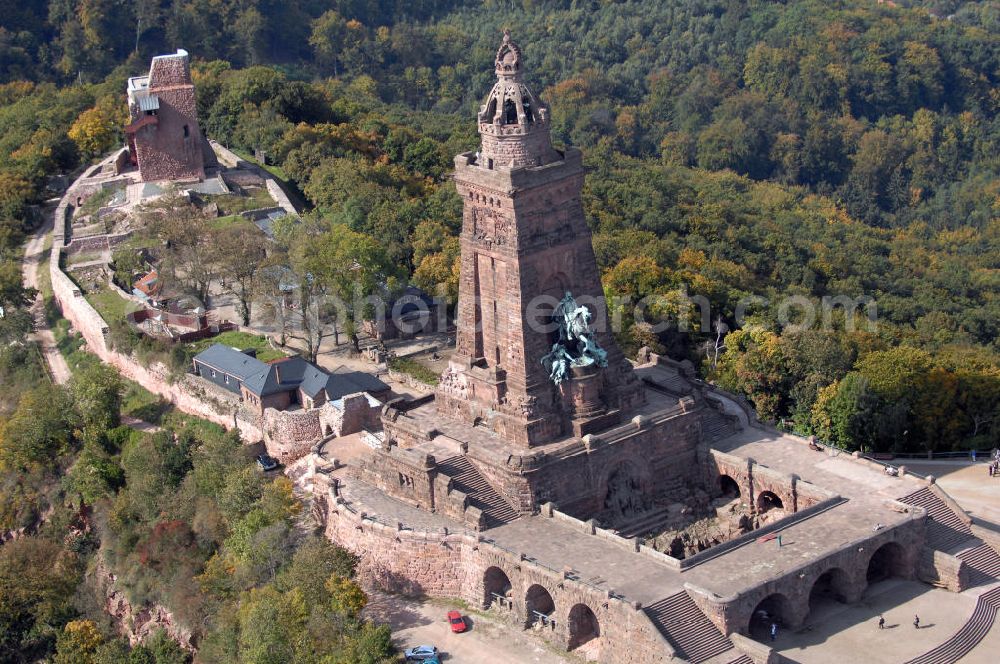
{"x":457,"y":622}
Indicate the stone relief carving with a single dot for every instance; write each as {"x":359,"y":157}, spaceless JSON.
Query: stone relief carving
{"x":490,"y":227}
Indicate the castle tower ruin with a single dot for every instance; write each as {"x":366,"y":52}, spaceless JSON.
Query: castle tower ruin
{"x":164,"y":138}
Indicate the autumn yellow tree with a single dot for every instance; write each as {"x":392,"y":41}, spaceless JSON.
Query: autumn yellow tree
{"x":99,"y":128}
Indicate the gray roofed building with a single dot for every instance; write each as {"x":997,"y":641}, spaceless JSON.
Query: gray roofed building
{"x":281,"y":383}
{"x":226,"y":366}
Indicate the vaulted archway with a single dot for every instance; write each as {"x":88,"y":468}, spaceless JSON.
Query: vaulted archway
{"x":767,"y":501}
{"x":775,"y":608}
{"x":729,"y":487}
{"x":583,"y":626}
{"x":539,"y":605}
{"x":496,"y":587}
{"x":889,"y":560}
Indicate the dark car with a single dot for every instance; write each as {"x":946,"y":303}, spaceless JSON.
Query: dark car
{"x":421,"y":654}
{"x":266,"y":462}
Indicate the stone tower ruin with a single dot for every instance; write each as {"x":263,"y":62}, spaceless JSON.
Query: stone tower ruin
{"x":164,"y":138}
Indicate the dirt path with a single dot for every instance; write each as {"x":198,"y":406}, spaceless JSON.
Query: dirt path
{"x":34,"y":254}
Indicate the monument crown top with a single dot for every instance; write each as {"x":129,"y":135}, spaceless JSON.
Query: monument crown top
{"x":513,"y":122}
{"x":508,"y":62}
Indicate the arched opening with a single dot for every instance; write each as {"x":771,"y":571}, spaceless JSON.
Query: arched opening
{"x":583,"y":626}
{"x":767,"y":501}
{"x":773,"y":609}
{"x":623,"y":496}
{"x":509,"y":112}
{"x":496,"y":588}
{"x":832,"y":586}
{"x":729,"y":487}
{"x":491,"y":110}
{"x":539,"y":606}
{"x":889,"y":560}
{"x":329,"y":430}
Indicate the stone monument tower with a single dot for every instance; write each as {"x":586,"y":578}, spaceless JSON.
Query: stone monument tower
{"x":526,"y":257}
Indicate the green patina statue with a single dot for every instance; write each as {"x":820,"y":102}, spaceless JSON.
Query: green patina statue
{"x":576,"y":346}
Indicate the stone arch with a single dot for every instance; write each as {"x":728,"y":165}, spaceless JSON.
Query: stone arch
{"x":583,"y":625}
{"x":775,"y":608}
{"x":538,"y":600}
{"x":889,"y":560}
{"x":767,"y":501}
{"x":833,"y":584}
{"x":496,"y":584}
{"x":729,"y":487}
{"x":624,"y":494}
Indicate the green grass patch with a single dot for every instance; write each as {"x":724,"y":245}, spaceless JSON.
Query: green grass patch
{"x":232,"y":204}
{"x":276,"y":171}
{"x":73,"y":348}
{"x":241,"y":340}
{"x":110,"y":304}
{"x":142,"y":404}
{"x":414,"y":369}
{"x":175,"y":420}
{"x":96,"y":202}
{"x":227,"y":221}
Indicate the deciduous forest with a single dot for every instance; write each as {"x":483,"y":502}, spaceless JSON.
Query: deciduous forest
{"x":735,"y":150}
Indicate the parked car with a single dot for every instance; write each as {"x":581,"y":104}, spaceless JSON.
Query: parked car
{"x":266,"y":462}
{"x":457,"y":622}
{"x":426,"y":654}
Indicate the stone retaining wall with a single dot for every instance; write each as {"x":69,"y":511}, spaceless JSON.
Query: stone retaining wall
{"x":186,"y":394}
{"x":455,"y":565}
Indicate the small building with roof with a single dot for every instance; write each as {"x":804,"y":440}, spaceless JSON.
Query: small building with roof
{"x":290,"y":403}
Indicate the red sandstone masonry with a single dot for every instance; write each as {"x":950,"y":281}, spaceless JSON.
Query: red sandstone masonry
{"x":453,"y":565}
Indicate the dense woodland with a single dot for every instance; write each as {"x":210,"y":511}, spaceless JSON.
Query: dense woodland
{"x":735,"y":149}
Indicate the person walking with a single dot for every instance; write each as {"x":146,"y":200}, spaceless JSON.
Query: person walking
{"x":881,"y":622}
{"x":774,"y":631}
{"x":916,"y":622}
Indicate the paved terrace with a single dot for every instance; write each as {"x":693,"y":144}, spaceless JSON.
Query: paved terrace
{"x":610,"y":565}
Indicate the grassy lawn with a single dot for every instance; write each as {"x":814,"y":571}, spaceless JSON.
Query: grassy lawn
{"x":229,"y":220}
{"x":142,"y":404}
{"x":231,"y":204}
{"x":276,"y":171}
{"x":241,"y":340}
{"x":74,"y":349}
{"x":110,"y":304}
{"x":415,"y":369}
{"x":95,"y":202}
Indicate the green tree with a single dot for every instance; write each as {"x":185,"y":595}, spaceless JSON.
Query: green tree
{"x":97,"y":394}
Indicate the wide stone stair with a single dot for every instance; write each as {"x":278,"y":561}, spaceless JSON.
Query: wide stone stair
{"x":945,"y":530}
{"x":715,"y":426}
{"x":466,"y":478}
{"x":652,"y":521}
{"x":968,"y":637}
{"x":983,"y":562}
{"x":692,"y":634}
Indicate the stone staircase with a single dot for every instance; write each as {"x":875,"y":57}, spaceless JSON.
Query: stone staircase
{"x":945,"y":530}
{"x":983,"y":562}
{"x":647,"y":522}
{"x":692,"y":634}
{"x":968,"y":637}
{"x":715,"y":425}
{"x":467,"y":479}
